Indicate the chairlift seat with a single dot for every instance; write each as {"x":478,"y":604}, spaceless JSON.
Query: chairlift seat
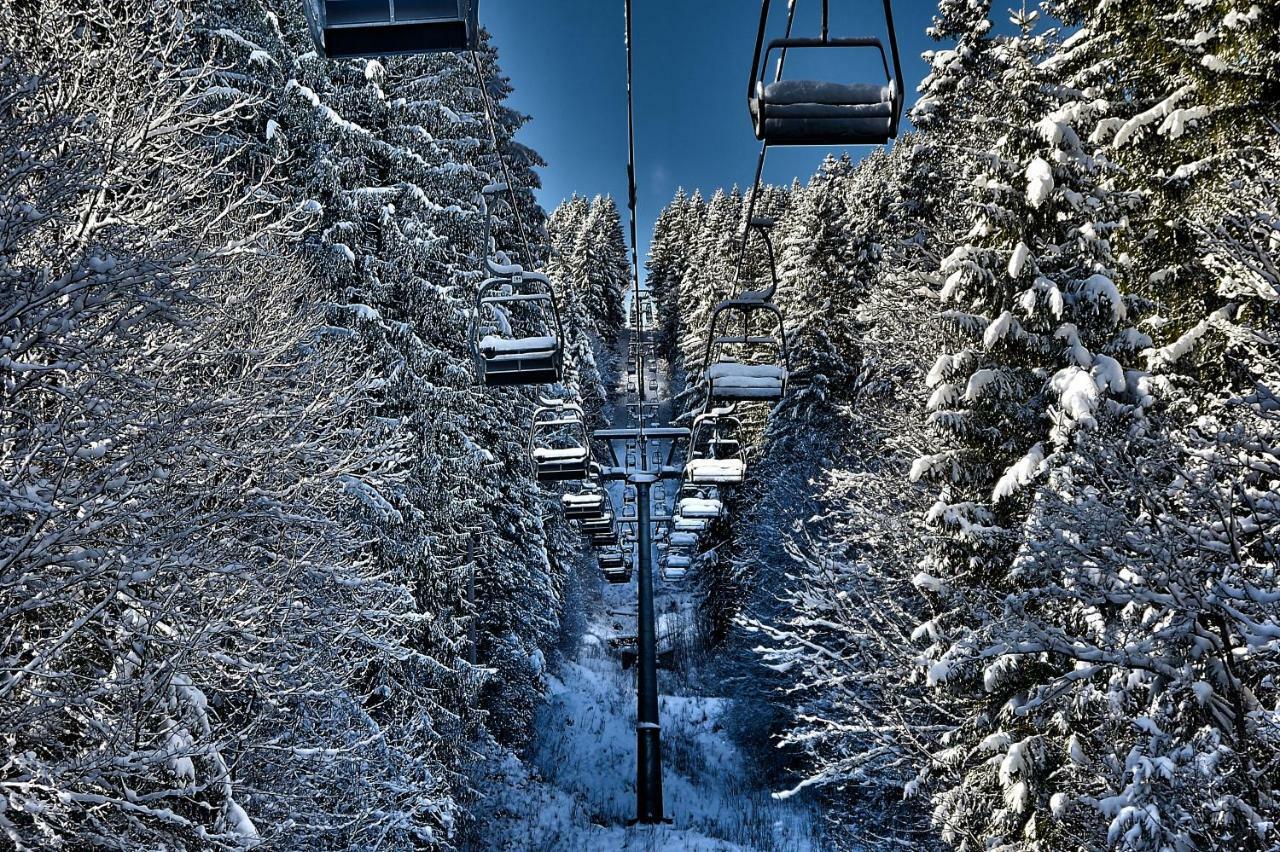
{"x":675,"y":567}
{"x":603,"y":538}
{"x":352,"y":28}
{"x":815,"y":112}
{"x":601,"y":522}
{"x":514,"y":359}
{"x":618,"y":576}
{"x":731,"y":380}
{"x":683,"y":524}
{"x":554,"y":464}
{"x":583,"y":507}
{"x":519,"y":360}
{"x":715,"y":471}
{"x":693,"y":507}
{"x":684,"y":539}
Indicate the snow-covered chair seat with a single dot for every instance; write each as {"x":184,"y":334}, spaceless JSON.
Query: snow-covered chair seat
{"x":560,"y":454}
{"x":519,"y":360}
{"x":602,"y":521}
{"x":561,"y":463}
{"x":816,"y":111}
{"x":682,"y":524}
{"x":694,"y":507}
{"x":618,"y":575}
{"x":684,"y":539}
{"x":676,"y":562}
{"x":715,"y":471}
{"x":731,"y":380}
{"x":494,"y":347}
{"x":581,"y":507}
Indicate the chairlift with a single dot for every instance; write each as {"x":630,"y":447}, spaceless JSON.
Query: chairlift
{"x":602,"y":522}
{"x":747,"y":358}
{"x":684,"y":539}
{"x":716,"y":456}
{"x":675,"y":566}
{"x":791,"y":111}
{"x":610,"y":559}
{"x":618,"y":575}
{"x":604,"y":537}
{"x":680,"y":524}
{"x":695,"y":507}
{"x":583,"y":505}
{"x":559,"y":445}
{"x":351,"y":28}
{"x":515,"y":335}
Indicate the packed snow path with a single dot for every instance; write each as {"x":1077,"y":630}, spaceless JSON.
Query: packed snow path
{"x":575,"y":787}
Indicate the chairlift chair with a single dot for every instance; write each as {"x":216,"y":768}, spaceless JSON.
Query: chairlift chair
{"x":351,"y":28}
{"x":790,"y":111}
{"x":746,"y":357}
{"x":583,"y":505}
{"x":515,"y":335}
{"x":695,"y":507}
{"x":559,"y":446}
{"x":716,"y":456}
{"x":675,"y":566}
{"x":603,"y":538}
{"x":618,"y":575}
{"x":604,"y":522}
{"x":684,"y":539}
{"x":680,"y":523}
{"x":610,"y":559}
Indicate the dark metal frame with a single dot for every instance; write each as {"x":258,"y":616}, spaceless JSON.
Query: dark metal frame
{"x":547,"y":472}
{"x":536,"y":287}
{"x":760,"y":63}
{"x":391,"y":37}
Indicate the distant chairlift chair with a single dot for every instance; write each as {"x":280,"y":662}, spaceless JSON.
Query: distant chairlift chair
{"x":676,"y":563}
{"x":611,"y":559}
{"x":746,"y":356}
{"x":584,"y":505}
{"x":559,"y":446}
{"x":820,"y":112}
{"x":352,"y":28}
{"x":716,"y":456}
{"x":515,"y":334}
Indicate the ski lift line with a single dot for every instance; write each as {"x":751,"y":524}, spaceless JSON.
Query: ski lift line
{"x":631,"y":206}
{"x":502,"y":161}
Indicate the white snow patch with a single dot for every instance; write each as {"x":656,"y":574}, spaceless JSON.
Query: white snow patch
{"x":1039,"y":182}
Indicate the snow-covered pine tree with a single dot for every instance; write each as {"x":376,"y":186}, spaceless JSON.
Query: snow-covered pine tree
{"x":586,"y":354}
{"x":396,"y":154}
{"x":1134,"y":540}
{"x":191,"y":474}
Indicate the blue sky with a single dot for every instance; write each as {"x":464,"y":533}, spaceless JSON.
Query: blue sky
{"x":692,"y":57}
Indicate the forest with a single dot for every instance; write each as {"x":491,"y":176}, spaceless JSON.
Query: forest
{"x":276,"y":572}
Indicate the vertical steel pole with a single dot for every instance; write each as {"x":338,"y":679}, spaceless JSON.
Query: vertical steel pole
{"x":648,"y":732}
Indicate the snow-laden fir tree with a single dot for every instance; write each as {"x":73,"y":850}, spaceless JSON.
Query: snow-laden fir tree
{"x":199,"y":651}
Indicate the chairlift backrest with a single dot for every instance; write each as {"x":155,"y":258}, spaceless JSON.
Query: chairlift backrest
{"x":353,"y":28}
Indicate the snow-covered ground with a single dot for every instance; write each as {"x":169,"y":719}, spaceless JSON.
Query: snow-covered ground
{"x":574,"y":788}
